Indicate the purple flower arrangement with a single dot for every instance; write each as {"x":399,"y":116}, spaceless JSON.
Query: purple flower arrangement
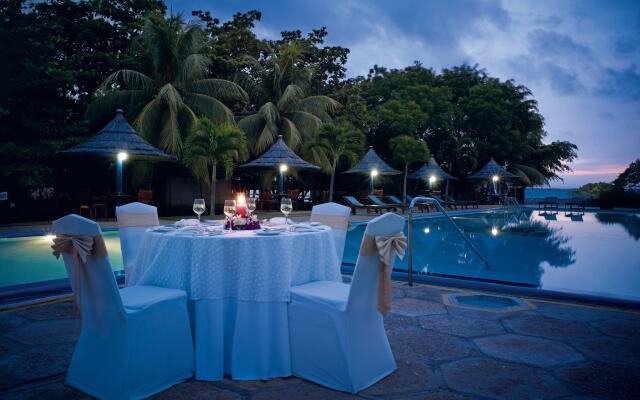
{"x":238,"y":222}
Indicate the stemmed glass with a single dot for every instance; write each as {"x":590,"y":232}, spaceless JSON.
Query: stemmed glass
{"x":251,"y":205}
{"x":198,"y":207}
{"x":230,"y":211}
{"x":286,"y":207}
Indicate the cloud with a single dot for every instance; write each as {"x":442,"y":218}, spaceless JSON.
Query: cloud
{"x":623,"y":83}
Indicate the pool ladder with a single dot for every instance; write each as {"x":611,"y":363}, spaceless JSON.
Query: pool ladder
{"x":436,"y":203}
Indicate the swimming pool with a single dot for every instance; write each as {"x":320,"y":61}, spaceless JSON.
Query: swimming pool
{"x":593,"y":253}
{"x":29,"y":259}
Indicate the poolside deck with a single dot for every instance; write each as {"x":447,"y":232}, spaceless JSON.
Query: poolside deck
{"x":443,"y":351}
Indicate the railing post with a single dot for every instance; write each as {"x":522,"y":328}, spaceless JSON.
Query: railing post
{"x":410,"y":260}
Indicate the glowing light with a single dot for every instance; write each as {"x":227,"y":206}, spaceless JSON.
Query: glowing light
{"x":427,"y":230}
{"x":283,"y":167}
{"x":122,"y":156}
{"x":494,"y":231}
{"x":495,"y":178}
{"x":374,"y":173}
{"x":49,"y":238}
{"x":241,"y":200}
{"x":432,"y":179}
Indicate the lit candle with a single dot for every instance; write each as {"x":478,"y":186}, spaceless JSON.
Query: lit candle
{"x":241,"y":206}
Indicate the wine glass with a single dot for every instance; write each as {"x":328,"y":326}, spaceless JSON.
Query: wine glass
{"x":198,"y":207}
{"x":230,"y":211}
{"x":251,"y":205}
{"x":286,"y":207}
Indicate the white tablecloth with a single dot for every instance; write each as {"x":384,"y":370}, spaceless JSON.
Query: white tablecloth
{"x":239,"y":286}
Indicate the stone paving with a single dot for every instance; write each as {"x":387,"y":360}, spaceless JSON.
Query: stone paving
{"x":443,"y":351}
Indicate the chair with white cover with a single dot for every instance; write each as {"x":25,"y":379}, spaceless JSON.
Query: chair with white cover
{"x":337,"y":330}
{"x":133,"y":220}
{"x":134,"y":342}
{"x":335,"y":216}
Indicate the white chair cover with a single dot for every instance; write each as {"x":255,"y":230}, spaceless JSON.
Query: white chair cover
{"x":134,"y":342}
{"x":133,"y":220}
{"x":337,"y":332}
{"x":337,"y":217}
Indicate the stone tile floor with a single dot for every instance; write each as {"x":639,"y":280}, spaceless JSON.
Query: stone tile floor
{"x":552,"y":350}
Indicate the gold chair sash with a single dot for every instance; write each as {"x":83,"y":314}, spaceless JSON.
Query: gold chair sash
{"x":79,"y":246}
{"x":333,"y":221}
{"x":138,"y":219}
{"x":384,"y":247}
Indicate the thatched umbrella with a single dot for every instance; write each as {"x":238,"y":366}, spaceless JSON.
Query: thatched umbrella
{"x":431,"y":172}
{"x":493,"y":172}
{"x":281,"y":156}
{"x":372,"y":165}
{"x":118,"y":139}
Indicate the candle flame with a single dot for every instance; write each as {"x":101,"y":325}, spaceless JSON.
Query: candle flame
{"x":241,"y":200}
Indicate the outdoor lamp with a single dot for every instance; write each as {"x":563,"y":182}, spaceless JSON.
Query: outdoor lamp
{"x":283,"y":169}
{"x":494,"y":231}
{"x":122,"y":155}
{"x":495,"y":178}
{"x":432,"y":180}
{"x":374,"y":173}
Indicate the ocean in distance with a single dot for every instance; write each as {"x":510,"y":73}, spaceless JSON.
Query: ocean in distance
{"x":540,"y":193}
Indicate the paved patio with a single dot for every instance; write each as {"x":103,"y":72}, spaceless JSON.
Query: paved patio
{"x":551,"y":350}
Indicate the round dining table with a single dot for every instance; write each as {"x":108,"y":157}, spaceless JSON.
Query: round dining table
{"x":238,"y":287}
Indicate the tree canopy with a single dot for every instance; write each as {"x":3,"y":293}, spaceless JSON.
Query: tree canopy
{"x":65,"y":57}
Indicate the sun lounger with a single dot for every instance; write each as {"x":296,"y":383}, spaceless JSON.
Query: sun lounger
{"x":356,"y":205}
{"x":461,"y":203}
{"x":376,"y":201}
{"x":548,"y":203}
{"x":422,"y":207}
{"x":575,"y":204}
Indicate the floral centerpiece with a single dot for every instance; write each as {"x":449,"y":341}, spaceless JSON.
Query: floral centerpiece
{"x":243,"y":219}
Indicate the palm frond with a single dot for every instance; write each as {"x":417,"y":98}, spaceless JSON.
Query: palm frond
{"x":291,"y":95}
{"x":209,"y":107}
{"x":105,"y":105}
{"x":306,"y":123}
{"x":528,"y":175}
{"x":218,"y":88}
{"x":148,"y":120}
{"x":318,"y":105}
{"x":194,"y":67}
{"x":127,"y":79}
{"x":270,"y":113}
{"x":291,"y":134}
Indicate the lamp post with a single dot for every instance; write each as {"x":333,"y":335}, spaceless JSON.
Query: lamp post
{"x":494,"y":180}
{"x":432,"y":180}
{"x":283,"y":169}
{"x":374,"y":173}
{"x":122,"y":156}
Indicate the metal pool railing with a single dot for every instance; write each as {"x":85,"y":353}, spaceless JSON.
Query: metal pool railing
{"x":436,"y":203}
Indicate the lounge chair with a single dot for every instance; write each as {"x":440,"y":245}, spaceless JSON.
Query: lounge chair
{"x":575,"y":204}
{"x":548,"y":203}
{"x":395,"y":200}
{"x":378,"y":202}
{"x":461,"y":203}
{"x":422,"y":207}
{"x":355,"y":205}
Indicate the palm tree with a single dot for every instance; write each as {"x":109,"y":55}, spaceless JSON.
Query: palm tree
{"x":209,"y":144}
{"x":168,"y":101}
{"x":333,"y":143}
{"x":408,"y":150}
{"x":285,"y":110}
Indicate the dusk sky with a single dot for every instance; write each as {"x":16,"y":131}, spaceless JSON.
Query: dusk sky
{"x":581,"y":59}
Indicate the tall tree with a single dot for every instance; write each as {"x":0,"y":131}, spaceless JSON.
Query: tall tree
{"x":209,"y":144}
{"x":55,"y":54}
{"x":285,"y":110}
{"x":168,"y":101}
{"x":408,"y":150}
{"x":333,"y":144}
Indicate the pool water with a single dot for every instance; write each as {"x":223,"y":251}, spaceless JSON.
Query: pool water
{"x":595,"y":253}
{"x":29,"y":259}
